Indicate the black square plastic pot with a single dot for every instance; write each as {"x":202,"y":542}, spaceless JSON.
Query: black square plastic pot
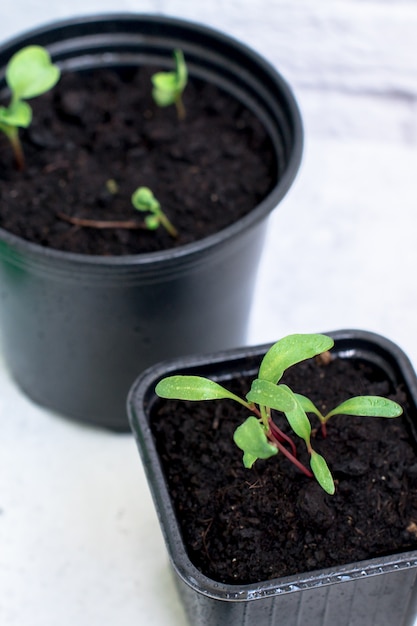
{"x":77,"y":329}
{"x":375,"y":592}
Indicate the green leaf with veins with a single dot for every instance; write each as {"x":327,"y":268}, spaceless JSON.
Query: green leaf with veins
{"x":291,"y":350}
{"x":193,"y":388}
{"x":267,"y":394}
{"x":298,"y":419}
{"x":251,"y":438}
{"x":361,"y":406}
{"x":321,"y":472}
{"x":281,"y":398}
{"x":308,"y":405}
{"x":367,"y":406}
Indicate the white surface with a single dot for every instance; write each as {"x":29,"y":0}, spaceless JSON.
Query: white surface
{"x":79,"y":540}
{"x":341,"y":250}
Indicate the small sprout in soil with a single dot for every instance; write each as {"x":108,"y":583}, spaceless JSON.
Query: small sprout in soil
{"x":168,"y":87}
{"x":112,"y":187}
{"x":144,"y":200}
{"x":29,"y":73}
{"x":259,"y":437}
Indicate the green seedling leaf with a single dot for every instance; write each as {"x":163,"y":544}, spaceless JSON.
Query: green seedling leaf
{"x":29,"y":73}
{"x":308,"y":405}
{"x":193,"y":388}
{"x":168,"y":87}
{"x":321,"y":472}
{"x":165,"y":88}
{"x":281,"y":398}
{"x":152,"y":222}
{"x":144,"y":200}
{"x":367,"y":406}
{"x":297,"y":419}
{"x":273,"y":396}
{"x":251,"y":438}
{"x":181,"y":69}
{"x":18,"y":114}
{"x":291,"y":350}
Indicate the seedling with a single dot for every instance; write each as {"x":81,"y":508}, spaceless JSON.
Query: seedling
{"x":29,"y":73}
{"x":258,"y":436}
{"x":168,"y":87}
{"x":144,"y":200}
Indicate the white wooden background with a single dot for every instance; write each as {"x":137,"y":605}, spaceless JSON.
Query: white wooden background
{"x":79,"y":542}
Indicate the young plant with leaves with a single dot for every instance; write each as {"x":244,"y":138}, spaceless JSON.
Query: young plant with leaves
{"x":258,"y":436}
{"x":29,"y":73}
{"x":168,"y":87}
{"x":144,"y":200}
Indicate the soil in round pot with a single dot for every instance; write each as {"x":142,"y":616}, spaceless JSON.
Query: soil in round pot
{"x":98,"y":135}
{"x":246,"y":526}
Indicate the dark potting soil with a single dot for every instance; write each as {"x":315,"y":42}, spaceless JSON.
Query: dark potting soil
{"x":248,"y":525}
{"x":207,"y":170}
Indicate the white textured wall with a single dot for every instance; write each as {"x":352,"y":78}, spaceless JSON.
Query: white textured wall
{"x":352,"y":63}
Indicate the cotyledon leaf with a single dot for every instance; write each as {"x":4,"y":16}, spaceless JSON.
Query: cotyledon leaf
{"x":30,"y":72}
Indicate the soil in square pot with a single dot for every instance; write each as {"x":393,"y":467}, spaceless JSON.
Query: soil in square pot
{"x":267,"y":545}
{"x":83,"y":310}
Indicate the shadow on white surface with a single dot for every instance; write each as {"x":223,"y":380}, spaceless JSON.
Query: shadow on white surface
{"x":80,"y":542}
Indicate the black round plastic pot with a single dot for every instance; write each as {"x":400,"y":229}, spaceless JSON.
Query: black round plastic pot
{"x":78,"y":329}
{"x":375,"y":592}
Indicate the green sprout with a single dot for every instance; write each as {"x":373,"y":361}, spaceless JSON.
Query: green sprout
{"x":168,"y":87}
{"x":258,"y":436}
{"x":29,"y":73}
{"x":365,"y":406}
{"x":144,"y":200}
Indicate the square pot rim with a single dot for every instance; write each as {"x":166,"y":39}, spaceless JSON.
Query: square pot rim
{"x":178,"y":556}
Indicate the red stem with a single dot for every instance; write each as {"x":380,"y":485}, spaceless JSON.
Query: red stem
{"x":281,"y":436}
{"x":290,"y":456}
{"x":277,"y":436}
